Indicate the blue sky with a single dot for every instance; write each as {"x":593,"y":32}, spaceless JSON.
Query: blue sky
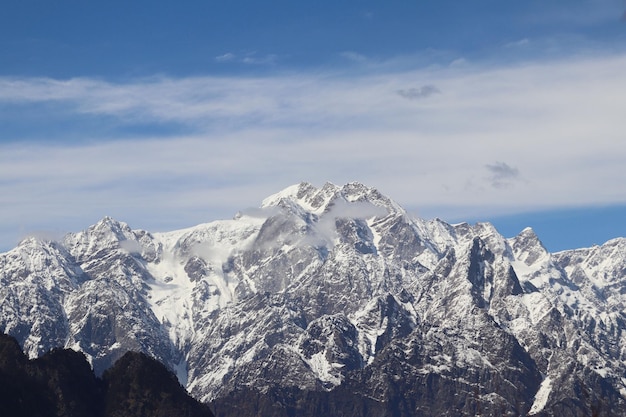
{"x":166,"y":115}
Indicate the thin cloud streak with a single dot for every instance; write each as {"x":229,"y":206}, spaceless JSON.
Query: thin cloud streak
{"x":559,"y":123}
{"x":418,"y":93}
{"x":248,"y":58}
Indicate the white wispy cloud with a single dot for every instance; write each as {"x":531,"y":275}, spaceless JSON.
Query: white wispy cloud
{"x":520,"y":43}
{"x":249,"y":58}
{"x":227,"y":57}
{"x":558,"y":125}
{"x":354,"y":56}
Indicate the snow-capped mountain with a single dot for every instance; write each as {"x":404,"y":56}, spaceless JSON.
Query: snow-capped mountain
{"x":335,"y":300}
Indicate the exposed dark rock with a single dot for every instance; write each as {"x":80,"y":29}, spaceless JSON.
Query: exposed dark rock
{"x":62,"y":384}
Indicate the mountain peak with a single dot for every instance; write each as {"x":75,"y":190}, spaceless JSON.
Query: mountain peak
{"x":34,"y":240}
{"x":320,"y":200}
{"x":305,"y":195}
{"x":528,"y":239}
{"x":107,"y":233}
{"x":109,"y":223}
{"x":528,"y":232}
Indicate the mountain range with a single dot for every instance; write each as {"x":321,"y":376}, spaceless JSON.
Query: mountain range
{"x":335,"y":301}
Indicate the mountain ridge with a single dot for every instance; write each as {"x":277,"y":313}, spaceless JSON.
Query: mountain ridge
{"x":335,"y":289}
{"x":61,"y":383}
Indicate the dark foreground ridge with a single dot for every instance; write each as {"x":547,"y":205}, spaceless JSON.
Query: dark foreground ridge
{"x":61,"y":383}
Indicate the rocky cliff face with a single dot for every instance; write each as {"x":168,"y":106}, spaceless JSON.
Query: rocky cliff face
{"x":335,"y":299}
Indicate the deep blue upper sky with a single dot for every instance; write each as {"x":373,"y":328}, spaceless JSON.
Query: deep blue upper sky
{"x":64,"y":39}
{"x":167,"y":114}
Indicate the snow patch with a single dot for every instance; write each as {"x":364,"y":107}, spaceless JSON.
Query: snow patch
{"x":323,"y":369}
{"x":541,"y":398}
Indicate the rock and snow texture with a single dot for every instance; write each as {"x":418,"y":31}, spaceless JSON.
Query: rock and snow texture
{"x":336,"y":287}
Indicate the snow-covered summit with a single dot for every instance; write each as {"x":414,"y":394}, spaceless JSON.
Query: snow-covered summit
{"x":319,"y":200}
